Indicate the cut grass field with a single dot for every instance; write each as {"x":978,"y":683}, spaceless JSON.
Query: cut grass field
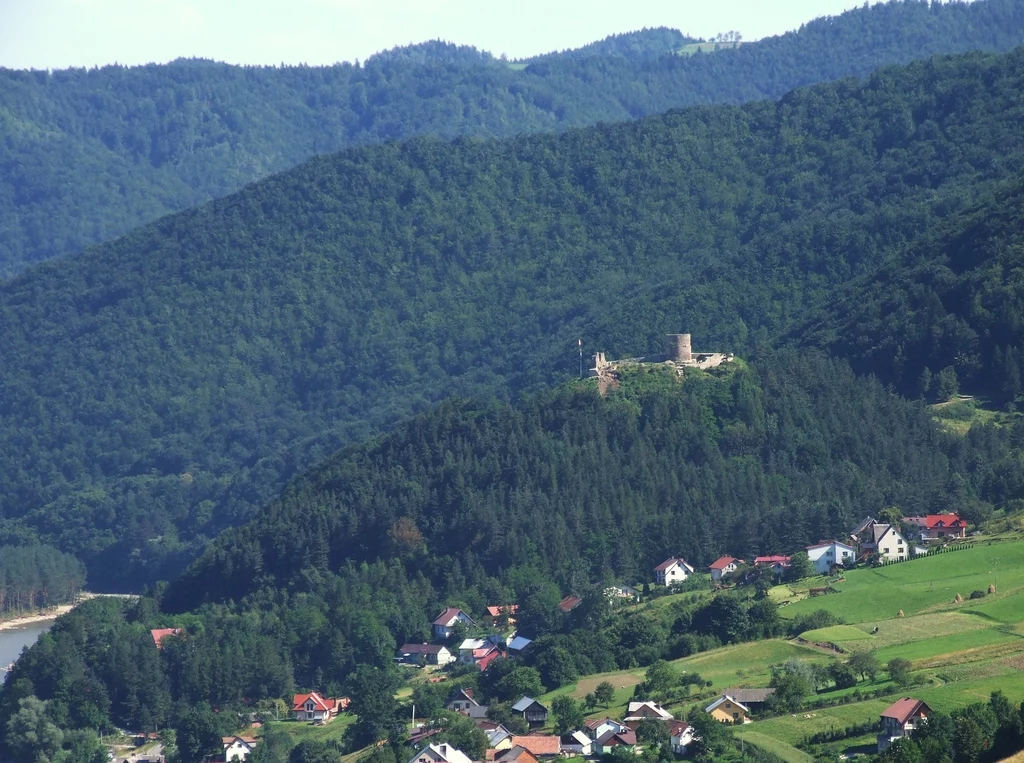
{"x":786,"y":752}
{"x":836,"y":634}
{"x":927,"y":584}
{"x":302,"y":730}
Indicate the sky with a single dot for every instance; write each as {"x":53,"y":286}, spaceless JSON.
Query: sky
{"x":57,"y":34}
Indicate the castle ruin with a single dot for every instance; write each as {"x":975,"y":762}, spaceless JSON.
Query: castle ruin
{"x":679,"y":355}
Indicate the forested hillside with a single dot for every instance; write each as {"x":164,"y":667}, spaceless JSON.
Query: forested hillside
{"x":35,"y":577}
{"x":87,"y":155}
{"x":474,"y":503}
{"x":158,"y":389}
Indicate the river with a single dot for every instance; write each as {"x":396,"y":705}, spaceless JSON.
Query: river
{"x":13,"y":640}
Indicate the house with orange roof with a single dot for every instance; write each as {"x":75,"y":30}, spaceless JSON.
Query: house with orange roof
{"x":159,"y":634}
{"x":776,"y":562}
{"x":901,"y":719}
{"x":540,"y":745}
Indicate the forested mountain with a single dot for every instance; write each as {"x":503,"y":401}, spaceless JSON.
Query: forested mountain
{"x":156,"y":390}
{"x":645,"y":44}
{"x":473,"y":503}
{"x":87,"y":155}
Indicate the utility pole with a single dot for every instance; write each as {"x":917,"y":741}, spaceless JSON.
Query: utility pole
{"x":580,"y":343}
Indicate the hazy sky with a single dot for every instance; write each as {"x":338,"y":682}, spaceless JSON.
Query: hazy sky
{"x":56,"y":34}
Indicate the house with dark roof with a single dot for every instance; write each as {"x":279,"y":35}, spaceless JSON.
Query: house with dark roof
{"x":424,"y":654}
{"x":753,"y":699}
{"x":444,"y":623}
{"x":519,"y":646}
{"x":612,"y":739}
{"x":888,"y":542}
{"x":722,"y":566}
{"x":672,"y":571}
{"x":440,"y":753}
{"x":532,"y":711}
{"x":901,"y":719}
{"x":461,"y":700}
{"x":680,"y":735}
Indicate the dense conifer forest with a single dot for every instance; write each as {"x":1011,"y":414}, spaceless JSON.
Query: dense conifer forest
{"x":35,"y":577}
{"x":564,"y":492}
{"x":158,"y":389}
{"x":88,"y":155}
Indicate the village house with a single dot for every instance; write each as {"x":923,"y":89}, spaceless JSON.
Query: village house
{"x":612,"y":739}
{"x":319,"y":710}
{"x":621,"y":593}
{"x":754,"y":700}
{"x":638,"y":711}
{"x":725,"y":709}
{"x":540,"y":745}
{"x":461,"y":700}
{"x":516,"y":754}
{"x":569,"y":603}
{"x":830,"y":553}
{"x":595,"y":729}
{"x":776,"y":563}
{"x":498,"y":737}
{"x":937,"y":526}
{"x":672,"y":571}
{"x":519,"y":646}
{"x":480,"y":652}
{"x":425,"y":654}
{"x":502,"y":614}
{"x":444,"y":624}
{"x":901,"y":719}
{"x":238,"y":747}
{"x":576,"y":744}
{"x":159,"y":634}
{"x":440,"y":753}
{"x":533,"y":712}
{"x":680,"y":735}
{"x":889,"y":543}
{"x":723,"y":566}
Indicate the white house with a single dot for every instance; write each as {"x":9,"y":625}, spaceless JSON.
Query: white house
{"x":445,"y":622}
{"x":238,"y":748}
{"x":889,"y":543}
{"x":901,"y":719}
{"x":672,"y":571}
{"x":429,"y":654}
{"x":440,"y":753}
{"x":467,"y":647}
{"x":598,"y":728}
{"x":313,"y":707}
{"x":830,"y":553}
{"x":576,"y":743}
{"x":681,"y":734}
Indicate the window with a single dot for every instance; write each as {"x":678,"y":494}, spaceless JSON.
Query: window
{"x":885,"y":550}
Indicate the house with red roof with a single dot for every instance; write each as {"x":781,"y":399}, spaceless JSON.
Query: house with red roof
{"x":569,"y":603}
{"x":778,"y":564}
{"x":540,"y":745}
{"x":444,"y":624}
{"x":680,"y":734}
{"x":159,"y":634}
{"x":938,"y":526}
{"x":503,"y":613}
{"x":723,"y":566}
{"x":901,"y":719}
{"x":319,"y":710}
{"x":672,"y":571}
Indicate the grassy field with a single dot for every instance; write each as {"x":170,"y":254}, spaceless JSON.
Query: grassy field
{"x":300,"y":730}
{"x":961,"y":414}
{"x":787,"y":752}
{"x":927,"y":584}
{"x":837,"y":634}
{"x":955,"y":646}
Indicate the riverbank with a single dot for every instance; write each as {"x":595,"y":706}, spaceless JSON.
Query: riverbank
{"x":41,"y":616}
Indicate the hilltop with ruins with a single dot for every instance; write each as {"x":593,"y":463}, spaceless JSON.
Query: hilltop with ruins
{"x":678,"y":355}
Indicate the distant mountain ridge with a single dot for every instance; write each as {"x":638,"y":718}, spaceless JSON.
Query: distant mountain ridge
{"x":162,"y":387}
{"x":90,"y":154}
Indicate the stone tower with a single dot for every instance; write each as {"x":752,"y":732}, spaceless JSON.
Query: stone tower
{"x":678,"y":348}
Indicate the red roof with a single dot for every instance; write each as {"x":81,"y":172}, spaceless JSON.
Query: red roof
{"x":449,"y":614}
{"x":328,"y":705}
{"x":944,"y":520}
{"x":160,"y":634}
{"x":905,"y":709}
{"x":783,"y":560}
{"x":569,"y":603}
{"x":723,"y":562}
{"x":677,"y":728}
{"x":509,"y":609}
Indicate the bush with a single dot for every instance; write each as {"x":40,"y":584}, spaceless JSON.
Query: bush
{"x":977,"y":594}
